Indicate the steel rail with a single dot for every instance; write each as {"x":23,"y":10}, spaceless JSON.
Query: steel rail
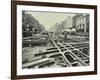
{"x":79,"y":59}
{"x":65,"y":59}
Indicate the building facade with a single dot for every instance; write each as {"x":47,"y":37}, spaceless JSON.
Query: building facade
{"x":81,"y":23}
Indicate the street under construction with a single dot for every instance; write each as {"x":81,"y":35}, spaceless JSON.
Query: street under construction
{"x":60,"y":53}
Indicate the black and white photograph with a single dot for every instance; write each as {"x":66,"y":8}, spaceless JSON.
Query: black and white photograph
{"x":55,"y":39}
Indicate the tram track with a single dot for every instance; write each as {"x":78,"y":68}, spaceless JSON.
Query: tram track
{"x":72,"y":55}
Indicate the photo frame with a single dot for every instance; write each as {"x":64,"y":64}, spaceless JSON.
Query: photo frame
{"x":68,"y":42}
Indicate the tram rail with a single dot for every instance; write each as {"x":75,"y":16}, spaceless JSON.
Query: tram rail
{"x":74,"y":57}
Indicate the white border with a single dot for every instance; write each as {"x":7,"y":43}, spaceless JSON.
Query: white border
{"x":21,"y":71}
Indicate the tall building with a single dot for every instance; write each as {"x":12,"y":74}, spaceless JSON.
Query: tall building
{"x":81,"y":23}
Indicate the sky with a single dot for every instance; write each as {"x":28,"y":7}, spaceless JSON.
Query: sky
{"x":48,"y":19}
